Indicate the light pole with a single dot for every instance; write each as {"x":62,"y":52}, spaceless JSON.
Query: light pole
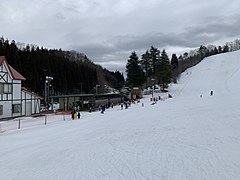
{"x":48,"y":80}
{"x":153,"y":85}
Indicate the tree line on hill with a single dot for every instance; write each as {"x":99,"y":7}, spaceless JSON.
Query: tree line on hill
{"x":156,"y":67}
{"x":72,"y":72}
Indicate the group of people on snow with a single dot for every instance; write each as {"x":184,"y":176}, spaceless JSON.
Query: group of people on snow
{"x":75,"y":114}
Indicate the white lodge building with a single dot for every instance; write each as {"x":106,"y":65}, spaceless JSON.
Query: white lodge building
{"x":15,"y":100}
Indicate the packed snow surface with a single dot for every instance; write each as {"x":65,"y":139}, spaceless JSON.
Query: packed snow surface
{"x":192,"y":136}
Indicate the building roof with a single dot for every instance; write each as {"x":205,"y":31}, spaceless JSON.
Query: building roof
{"x":2,"y":58}
{"x":31,"y":93}
{"x":16,"y":75}
{"x":84,"y":95}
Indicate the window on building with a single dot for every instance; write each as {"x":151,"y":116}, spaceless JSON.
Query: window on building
{"x":1,"y":88}
{"x":1,"y":109}
{"x":5,"y":88}
{"x":16,"y":108}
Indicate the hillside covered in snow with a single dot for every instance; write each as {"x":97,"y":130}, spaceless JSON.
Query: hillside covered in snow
{"x":190,"y":136}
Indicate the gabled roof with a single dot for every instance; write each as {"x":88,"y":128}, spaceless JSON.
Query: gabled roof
{"x":16,"y":75}
{"x":2,"y":58}
{"x":31,"y":93}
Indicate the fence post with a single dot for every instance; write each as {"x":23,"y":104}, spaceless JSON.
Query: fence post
{"x":19,"y":125}
{"x":45,"y":119}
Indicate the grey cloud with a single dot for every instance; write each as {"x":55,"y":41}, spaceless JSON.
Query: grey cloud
{"x":121,"y":46}
{"x":59,"y":16}
{"x":213,"y":29}
{"x":96,"y":49}
{"x":191,"y":37}
{"x":107,"y":31}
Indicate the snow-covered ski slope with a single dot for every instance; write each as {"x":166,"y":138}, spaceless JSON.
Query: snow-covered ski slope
{"x":218,"y":73}
{"x":186,"y":137}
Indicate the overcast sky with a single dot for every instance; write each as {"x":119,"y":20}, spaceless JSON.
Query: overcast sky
{"x":107,"y":31}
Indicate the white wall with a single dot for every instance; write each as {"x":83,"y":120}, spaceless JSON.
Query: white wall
{"x":17,"y":90}
{"x":16,"y":96}
{"x":5,"y":100}
{"x":27,"y":98}
{"x":7,"y":109}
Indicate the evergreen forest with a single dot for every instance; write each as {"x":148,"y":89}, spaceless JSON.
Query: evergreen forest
{"x":155,"y":67}
{"x":72,"y":72}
